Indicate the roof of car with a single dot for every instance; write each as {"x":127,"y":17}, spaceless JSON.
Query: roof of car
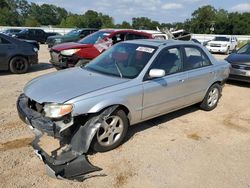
{"x":156,"y":43}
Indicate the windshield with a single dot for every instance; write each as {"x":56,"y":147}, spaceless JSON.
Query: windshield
{"x":93,"y":38}
{"x":221,"y":39}
{"x":73,"y":32}
{"x":244,"y":49}
{"x":122,"y":60}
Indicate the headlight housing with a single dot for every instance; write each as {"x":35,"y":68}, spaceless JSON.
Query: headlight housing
{"x":53,"y":110}
{"x":224,"y":45}
{"x":69,"y":52}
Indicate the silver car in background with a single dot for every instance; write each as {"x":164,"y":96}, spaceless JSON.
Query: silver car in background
{"x":131,"y":82}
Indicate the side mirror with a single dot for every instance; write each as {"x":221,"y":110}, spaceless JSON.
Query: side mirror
{"x":156,"y":73}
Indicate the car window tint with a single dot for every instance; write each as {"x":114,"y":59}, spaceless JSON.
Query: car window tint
{"x":195,"y":58}
{"x":132,"y":36}
{"x":169,"y":60}
{"x":4,"y":41}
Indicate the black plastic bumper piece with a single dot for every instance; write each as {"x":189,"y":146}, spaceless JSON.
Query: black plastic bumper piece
{"x":35,"y":119}
{"x":68,"y":165}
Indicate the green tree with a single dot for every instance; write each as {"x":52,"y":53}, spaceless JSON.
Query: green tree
{"x":31,"y":22}
{"x":72,"y":20}
{"x":107,"y":21}
{"x":202,"y":19}
{"x":92,"y":19}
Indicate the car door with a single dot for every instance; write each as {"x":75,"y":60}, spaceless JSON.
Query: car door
{"x":6,"y":47}
{"x":199,"y":73}
{"x":162,"y":95}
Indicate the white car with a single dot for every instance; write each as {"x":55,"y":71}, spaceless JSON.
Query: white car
{"x":221,"y":44}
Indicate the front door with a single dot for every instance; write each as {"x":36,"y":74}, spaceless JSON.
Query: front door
{"x":162,"y":95}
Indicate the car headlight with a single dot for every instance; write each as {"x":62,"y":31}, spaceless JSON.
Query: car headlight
{"x":69,"y":52}
{"x":224,"y":45}
{"x":57,"y":110}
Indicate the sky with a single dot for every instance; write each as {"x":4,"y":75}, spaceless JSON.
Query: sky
{"x":164,"y":11}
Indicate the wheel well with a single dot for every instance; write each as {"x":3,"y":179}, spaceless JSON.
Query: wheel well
{"x":121,"y":107}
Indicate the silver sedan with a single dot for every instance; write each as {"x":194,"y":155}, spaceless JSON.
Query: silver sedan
{"x":131,"y":82}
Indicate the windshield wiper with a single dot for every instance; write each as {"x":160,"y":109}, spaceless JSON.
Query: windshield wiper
{"x":117,"y":67}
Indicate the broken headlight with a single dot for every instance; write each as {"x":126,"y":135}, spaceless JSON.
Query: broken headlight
{"x":69,"y":52}
{"x":53,"y":110}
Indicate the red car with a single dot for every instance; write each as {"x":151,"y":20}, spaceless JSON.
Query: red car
{"x":81,"y":52}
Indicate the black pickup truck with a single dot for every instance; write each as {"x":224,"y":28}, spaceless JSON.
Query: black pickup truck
{"x":38,"y":35}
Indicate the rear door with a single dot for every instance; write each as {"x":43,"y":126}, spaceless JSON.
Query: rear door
{"x":200,"y":73}
{"x":6,"y":49}
{"x":165,"y":94}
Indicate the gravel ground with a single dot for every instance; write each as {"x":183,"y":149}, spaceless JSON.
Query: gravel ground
{"x":187,"y":148}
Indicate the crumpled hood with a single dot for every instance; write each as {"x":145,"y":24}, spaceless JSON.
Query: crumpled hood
{"x":70,"y":45}
{"x":239,"y":58}
{"x":62,"y":86}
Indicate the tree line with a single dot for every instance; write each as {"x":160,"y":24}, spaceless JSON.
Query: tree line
{"x":204,"y":20}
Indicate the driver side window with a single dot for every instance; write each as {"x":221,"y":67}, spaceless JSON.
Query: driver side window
{"x":169,"y":60}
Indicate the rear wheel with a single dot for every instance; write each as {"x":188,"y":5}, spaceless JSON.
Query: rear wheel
{"x":212,"y":98}
{"x":19,"y":65}
{"x":111,"y":132}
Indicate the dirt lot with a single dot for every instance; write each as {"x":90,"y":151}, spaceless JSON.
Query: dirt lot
{"x":188,"y":148}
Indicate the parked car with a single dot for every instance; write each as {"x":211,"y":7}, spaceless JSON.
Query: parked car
{"x":221,"y":44}
{"x":38,"y":35}
{"x":81,"y":52}
{"x":16,"y":55}
{"x":240,"y":64}
{"x":133,"y":81}
{"x":71,"y":36}
{"x":11,"y":32}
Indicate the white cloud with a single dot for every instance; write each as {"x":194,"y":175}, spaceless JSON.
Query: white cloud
{"x":172,"y":6}
{"x":243,"y":7}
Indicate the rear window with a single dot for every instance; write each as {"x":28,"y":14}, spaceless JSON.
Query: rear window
{"x":221,"y":39}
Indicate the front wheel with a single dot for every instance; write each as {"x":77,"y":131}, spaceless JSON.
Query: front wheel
{"x":111,"y":132}
{"x":212,"y":98}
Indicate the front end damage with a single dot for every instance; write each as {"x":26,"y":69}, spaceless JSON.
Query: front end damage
{"x":69,"y":161}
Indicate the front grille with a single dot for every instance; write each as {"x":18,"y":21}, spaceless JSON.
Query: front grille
{"x":243,"y":67}
{"x":215,"y":45}
{"x":35,"y":106}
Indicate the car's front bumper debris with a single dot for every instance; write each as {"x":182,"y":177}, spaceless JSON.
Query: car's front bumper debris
{"x":72,"y":162}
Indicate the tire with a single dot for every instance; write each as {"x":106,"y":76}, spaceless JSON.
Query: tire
{"x":110,"y":135}
{"x":211,"y":98}
{"x":19,"y":65}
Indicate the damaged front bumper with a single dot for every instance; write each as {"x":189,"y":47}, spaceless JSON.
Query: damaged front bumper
{"x":70,"y":163}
